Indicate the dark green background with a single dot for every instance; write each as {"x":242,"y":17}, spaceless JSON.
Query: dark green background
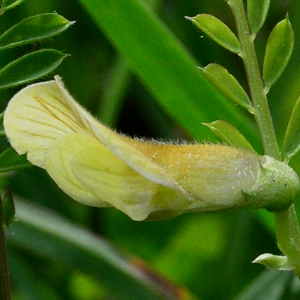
{"x":210,"y":254}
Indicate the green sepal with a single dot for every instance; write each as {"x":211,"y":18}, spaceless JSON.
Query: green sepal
{"x":276,"y":262}
{"x":217,"y":31}
{"x":291,"y":143}
{"x":9,"y":4}
{"x":8,"y":208}
{"x":257,"y":11}
{"x":33,"y":29}
{"x":276,"y":186}
{"x":10,"y":160}
{"x":227,"y":84}
{"x":278,"y":52}
{"x":228,"y":134}
{"x":30,"y":67}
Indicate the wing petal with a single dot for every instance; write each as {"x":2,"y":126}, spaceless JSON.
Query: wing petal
{"x":112,"y":180}
{"x":58,"y":163}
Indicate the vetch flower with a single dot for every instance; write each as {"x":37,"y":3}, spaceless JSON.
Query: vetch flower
{"x":144,"y":179}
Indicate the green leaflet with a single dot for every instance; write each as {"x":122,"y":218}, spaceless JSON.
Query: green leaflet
{"x":227,"y":84}
{"x":229,"y":135}
{"x":291,"y":144}
{"x":217,"y":30}
{"x":33,"y":29}
{"x":30,"y":67}
{"x":9,"y":4}
{"x":278,"y":52}
{"x":257,"y":11}
{"x":10,"y":160}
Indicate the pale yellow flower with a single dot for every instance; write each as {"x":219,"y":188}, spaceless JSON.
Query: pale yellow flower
{"x":144,"y":179}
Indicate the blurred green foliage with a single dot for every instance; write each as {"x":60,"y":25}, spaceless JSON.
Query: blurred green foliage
{"x":209,"y":254}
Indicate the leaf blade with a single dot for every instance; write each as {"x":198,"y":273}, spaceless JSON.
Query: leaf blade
{"x":33,"y":29}
{"x":291,"y":143}
{"x":257,"y":11}
{"x":229,"y":135}
{"x":217,"y":31}
{"x":278,"y":52}
{"x":227,"y":84}
{"x":9,"y":4}
{"x":30,"y":67}
{"x":10,"y":160}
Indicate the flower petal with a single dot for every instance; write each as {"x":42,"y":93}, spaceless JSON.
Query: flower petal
{"x":212,"y":175}
{"x":41,"y":113}
{"x":112,"y":180}
{"x":146,"y":180}
{"x":58,"y":164}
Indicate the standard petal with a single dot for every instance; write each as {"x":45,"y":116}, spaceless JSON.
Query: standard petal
{"x":36,"y":117}
{"x":40,"y":114}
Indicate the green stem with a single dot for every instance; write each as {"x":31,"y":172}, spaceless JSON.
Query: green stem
{"x":286,"y":222}
{"x":5,"y":293}
{"x":288,"y":235}
{"x":259,"y":99}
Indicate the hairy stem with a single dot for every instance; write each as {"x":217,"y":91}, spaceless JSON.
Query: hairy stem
{"x":287,"y":225}
{"x":258,"y":95}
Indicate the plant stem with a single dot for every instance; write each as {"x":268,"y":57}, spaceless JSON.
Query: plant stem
{"x":5,"y":292}
{"x":258,"y":95}
{"x":288,"y":236}
{"x":286,"y":222}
